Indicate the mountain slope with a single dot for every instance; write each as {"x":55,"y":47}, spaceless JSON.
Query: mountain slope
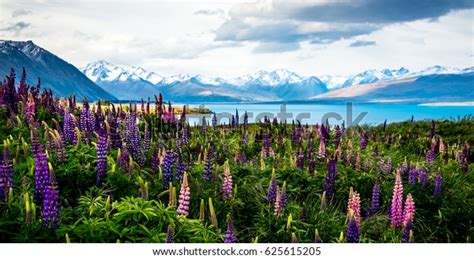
{"x":63,"y":78}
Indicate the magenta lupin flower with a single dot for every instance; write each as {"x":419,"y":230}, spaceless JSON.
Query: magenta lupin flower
{"x":396,"y":212}
{"x":184,"y":197}
{"x":409,"y":210}
{"x":227,"y":184}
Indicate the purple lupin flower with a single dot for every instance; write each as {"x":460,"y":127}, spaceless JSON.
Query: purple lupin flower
{"x":146,"y":139}
{"x":246,"y":121}
{"x":409,"y":210}
{"x":213,"y":121}
{"x":375,"y":202}
{"x":227,"y":182}
{"x":133,"y":138}
{"x":329,"y":182}
{"x":422,"y":177}
{"x":312,"y":163}
{"x":184,"y":197}
{"x":167,"y":167}
{"x":300,"y":159}
{"x":236,"y":118}
{"x":69,"y":128}
{"x":272,"y":188}
{"x":208,"y":165}
{"x":41,"y":174}
{"x":155,"y":160}
{"x":51,"y":203}
{"x":84,"y":116}
{"x":124,"y":160}
{"x":91,"y":120}
{"x":430,"y":156}
{"x":101,"y":155}
{"x":396,"y":212}
{"x":352,"y":229}
{"x":115,"y":140}
{"x":407,"y":230}
{"x":185,"y":136}
{"x":412,"y":175}
{"x":338,"y":135}
{"x":6,"y":172}
{"x":375,"y":150}
{"x":230,"y":236}
{"x":169,"y":234}
{"x":59,"y":146}
{"x":364,"y":141}
{"x":438,"y":184}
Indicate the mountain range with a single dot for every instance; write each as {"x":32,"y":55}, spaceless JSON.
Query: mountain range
{"x":104,"y":80}
{"x":282,"y":84}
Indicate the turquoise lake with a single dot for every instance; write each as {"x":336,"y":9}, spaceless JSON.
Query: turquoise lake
{"x":375,"y":113}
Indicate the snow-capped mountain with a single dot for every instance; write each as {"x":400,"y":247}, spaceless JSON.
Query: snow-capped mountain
{"x":105,"y":71}
{"x":61,"y":77}
{"x":372,"y":76}
{"x":366,"y":77}
{"x":440,"y":70}
{"x":263,"y":77}
{"x":333,"y":82}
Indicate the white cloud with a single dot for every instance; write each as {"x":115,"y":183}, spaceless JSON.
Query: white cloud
{"x":169,"y":37}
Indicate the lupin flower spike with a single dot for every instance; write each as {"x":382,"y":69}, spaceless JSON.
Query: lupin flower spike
{"x":184,"y":197}
{"x":396,"y":217}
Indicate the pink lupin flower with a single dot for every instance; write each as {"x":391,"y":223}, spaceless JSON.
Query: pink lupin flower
{"x":184,"y":197}
{"x":322,"y":149}
{"x":354,"y":205}
{"x":409,"y":209}
{"x":276,"y":211}
{"x":227,"y":183}
{"x":263,"y":152}
{"x":271,"y":153}
{"x":396,"y":217}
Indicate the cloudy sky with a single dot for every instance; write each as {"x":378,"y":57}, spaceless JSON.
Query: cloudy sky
{"x":229,"y":38}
